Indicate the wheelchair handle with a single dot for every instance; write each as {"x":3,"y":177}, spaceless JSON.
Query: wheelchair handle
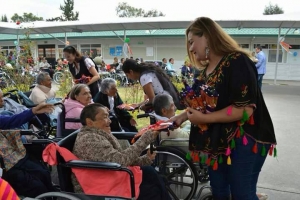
{"x":152,"y":149}
{"x":14,"y":90}
{"x":143,"y":115}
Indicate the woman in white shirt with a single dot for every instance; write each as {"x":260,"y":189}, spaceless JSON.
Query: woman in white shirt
{"x":153,"y":80}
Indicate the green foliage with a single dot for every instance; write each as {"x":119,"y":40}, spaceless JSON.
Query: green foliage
{"x":125,"y":10}
{"x":67,"y":12}
{"x":66,"y":85}
{"x":26,"y":17}
{"x":22,"y":83}
{"x":4,"y":18}
{"x":272,"y":9}
{"x":133,"y":94}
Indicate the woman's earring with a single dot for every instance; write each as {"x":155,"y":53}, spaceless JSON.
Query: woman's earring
{"x":206,"y":52}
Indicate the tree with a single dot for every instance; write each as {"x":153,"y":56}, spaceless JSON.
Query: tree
{"x":125,"y":10}
{"x":273,"y":9}
{"x":4,"y":18}
{"x":26,"y":17}
{"x":67,"y":12}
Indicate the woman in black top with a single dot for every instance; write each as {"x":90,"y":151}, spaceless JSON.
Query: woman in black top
{"x":83,"y":69}
{"x":231,"y":127}
{"x":153,"y":79}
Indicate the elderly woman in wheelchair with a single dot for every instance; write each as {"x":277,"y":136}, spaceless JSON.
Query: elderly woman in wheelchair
{"x":79,"y":97}
{"x":27,"y":177}
{"x":109,"y":97}
{"x":95,"y":142}
{"x":164,"y":108}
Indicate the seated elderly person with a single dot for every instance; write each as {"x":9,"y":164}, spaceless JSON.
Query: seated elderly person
{"x":79,"y":97}
{"x":164,"y":109}
{"x":28,"y":178}
{"x":95,"y":142}
{"x":109,"y":97}
{"x":42,"y":90}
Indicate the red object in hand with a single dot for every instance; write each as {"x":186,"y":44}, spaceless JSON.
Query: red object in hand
{"x":160,"y":125}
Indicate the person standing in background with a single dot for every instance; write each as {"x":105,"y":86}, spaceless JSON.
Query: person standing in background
{"x":260,"y":65}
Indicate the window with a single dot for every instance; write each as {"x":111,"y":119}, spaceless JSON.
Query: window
{"x":61,"y":48}
{"x":116,"y":50}
{"x":295,"y":46}
{"x":91,"y":50}
{"x":7,"y":49}
{"x":270,"y":51}
{"x":244,"y":46}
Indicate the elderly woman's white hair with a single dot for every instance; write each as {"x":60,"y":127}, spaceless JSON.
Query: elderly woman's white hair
{"x":106,"y":84}
{"x":41,"y":77}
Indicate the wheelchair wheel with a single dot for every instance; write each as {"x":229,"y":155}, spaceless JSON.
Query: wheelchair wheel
{"x":179,"y":174}
{"x":59,"y":195}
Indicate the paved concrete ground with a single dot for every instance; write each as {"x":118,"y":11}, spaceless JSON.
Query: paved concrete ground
{"x":280,"y":177}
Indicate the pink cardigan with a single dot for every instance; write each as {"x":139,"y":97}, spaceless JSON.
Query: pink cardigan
{"x":73,"y":110}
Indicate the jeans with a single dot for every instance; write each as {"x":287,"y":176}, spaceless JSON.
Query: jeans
{"x":259,"y":80}
{"x":240,"y":178}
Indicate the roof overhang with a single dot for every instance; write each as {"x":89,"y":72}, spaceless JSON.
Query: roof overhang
{"x":265,"y":21}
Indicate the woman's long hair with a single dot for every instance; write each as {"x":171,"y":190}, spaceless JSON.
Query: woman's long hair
{"x":218,"y":40}
{"x":133,"y":65}
{"x":73,"y":51}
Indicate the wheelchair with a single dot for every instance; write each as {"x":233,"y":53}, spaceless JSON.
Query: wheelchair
{"x":44,"y":120}
{"x":177,"y":170}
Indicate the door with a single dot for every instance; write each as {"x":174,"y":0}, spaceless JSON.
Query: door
{"x":47,"y":51}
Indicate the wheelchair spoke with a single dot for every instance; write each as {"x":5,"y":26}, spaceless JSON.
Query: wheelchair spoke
{"x":171,"y":192}
{"x":180,"y":183}
{"x":172,"y":174}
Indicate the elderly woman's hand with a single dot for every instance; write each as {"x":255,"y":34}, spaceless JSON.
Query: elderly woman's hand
{"x":132,"y":122}
{"x":151,"y":156}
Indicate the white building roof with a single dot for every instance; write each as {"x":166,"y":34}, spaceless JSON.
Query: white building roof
{"x":264,"y":21}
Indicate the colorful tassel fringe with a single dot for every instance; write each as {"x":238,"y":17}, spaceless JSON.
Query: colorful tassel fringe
{"x":251,"y":120}
{"x":220,"y":159}
{"x":263,"y":151}
{"x":229,"y":110}
{"x":245,"y":141}
{"x":215,"y":166}
{"x":254,"y":148}
{"x":232,"y":143}
{"x":228,"y":151}
{"x":275,"y":152}
{"x":271,"y":150}
{"x":188,"y":156}
{"x":228,"y":160}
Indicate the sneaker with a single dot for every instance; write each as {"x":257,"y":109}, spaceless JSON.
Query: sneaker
{"x":262,"y":196}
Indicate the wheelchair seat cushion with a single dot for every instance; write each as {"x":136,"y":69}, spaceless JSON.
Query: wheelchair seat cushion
{"x":96,"y":181}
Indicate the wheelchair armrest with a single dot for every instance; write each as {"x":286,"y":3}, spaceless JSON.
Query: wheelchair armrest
{"x":41,"y":141}
{"x":6,"y":94}
{"x":30,"y":132}
{"x":93,"y":165}
{"x":124,"y":135}
{"x":72,"y":120}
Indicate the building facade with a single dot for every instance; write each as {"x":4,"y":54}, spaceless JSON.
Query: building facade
{"x":158,"y":44}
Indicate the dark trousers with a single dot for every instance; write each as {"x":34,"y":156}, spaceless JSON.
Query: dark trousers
{"x":29,"y":178}
{"x":259,"y":80}
{"x":240,"y":178}
{"x":152,"y":186}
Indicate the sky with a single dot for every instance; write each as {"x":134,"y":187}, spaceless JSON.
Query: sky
{"x":93,"y":9}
